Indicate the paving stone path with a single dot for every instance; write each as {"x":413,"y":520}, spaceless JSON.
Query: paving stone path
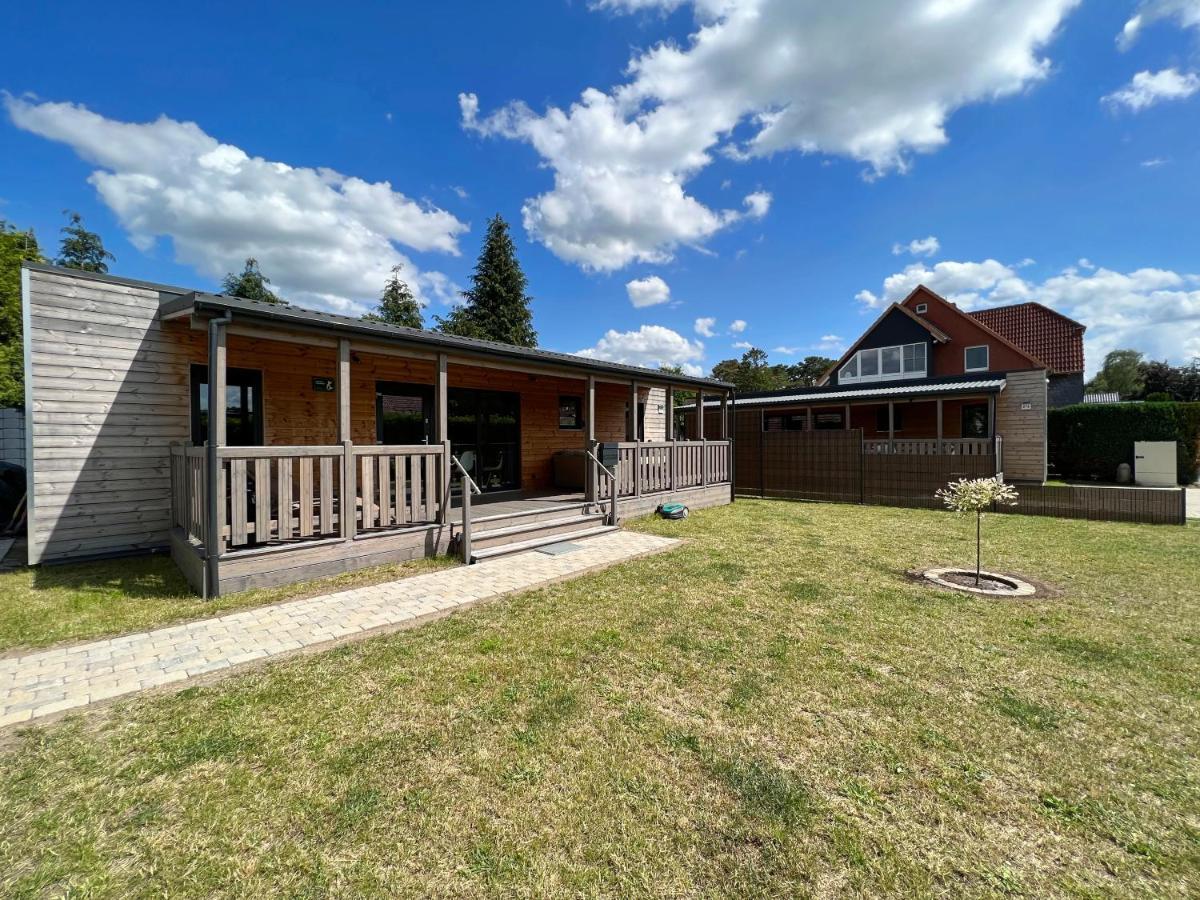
{"x":50,"y":681}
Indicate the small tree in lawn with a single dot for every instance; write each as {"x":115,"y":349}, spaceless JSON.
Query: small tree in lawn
{"x":974,"y":495}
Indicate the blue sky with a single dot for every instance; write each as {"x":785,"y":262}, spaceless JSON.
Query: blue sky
{"x":747,"y":161}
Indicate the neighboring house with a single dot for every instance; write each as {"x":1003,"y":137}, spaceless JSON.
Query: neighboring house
{"x":1047,"y":335}
{"x":321,"y":414}
{"x":927,"y":378}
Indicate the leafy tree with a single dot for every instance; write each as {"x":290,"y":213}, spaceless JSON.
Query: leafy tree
{"x":80,"y":248}
{"x":250,"y":284}
{"x":497,"y":307}
{"x":15,"y":246}
{"x":1120,"y":373}
{"x":808,"y":372}
{"x":1162,"y":381}
{"x":397,"y":306}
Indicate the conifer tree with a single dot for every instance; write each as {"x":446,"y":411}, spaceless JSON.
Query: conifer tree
{"x":250,"y":283}
{"x":497,"y":307}
{"x":80,"y":248}
{"x":397,"y":306}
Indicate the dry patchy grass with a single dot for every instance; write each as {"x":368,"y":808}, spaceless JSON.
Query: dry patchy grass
{"x":773,"y":709}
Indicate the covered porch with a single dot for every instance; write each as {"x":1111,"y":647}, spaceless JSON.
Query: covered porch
{"x":338,"y":444}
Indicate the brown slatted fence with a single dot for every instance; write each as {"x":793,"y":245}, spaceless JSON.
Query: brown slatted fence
{"x":1156,"y":506}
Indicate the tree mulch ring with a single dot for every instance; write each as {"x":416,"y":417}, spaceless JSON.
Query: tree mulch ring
{"x":990,"y":584}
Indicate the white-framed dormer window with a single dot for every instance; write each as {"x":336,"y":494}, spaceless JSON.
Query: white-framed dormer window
{"x":975,"y":359}
{"x":885,"y":363}
{"x":922,"y":308}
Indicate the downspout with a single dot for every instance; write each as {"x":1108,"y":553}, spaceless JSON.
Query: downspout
{"x":212,"y":541}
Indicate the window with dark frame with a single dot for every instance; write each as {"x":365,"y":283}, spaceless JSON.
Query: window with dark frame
{"x":570,"y":413}
{"x":881,"y":419}
{"x":975,"y":420}
{"x":243,"y":407}
{"x":784,"y":422}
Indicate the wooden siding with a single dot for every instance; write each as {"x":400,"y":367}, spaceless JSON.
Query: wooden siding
{"x":106,"y":395}
{"x":1023,"y":430}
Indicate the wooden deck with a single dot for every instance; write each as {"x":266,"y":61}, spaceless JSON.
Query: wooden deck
{"x":509,"y":503}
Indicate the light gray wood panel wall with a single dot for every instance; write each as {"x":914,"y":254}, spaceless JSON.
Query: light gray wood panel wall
{"x":107,"y":392}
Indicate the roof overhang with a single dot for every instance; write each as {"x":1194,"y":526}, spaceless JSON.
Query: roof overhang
{"x":286,"y":317}
{"x":839,"y":396}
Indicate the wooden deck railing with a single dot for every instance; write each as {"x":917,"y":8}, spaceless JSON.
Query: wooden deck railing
{"x":650,"y":467}
{"x":290,"y":494}
{"x":932,"y":446}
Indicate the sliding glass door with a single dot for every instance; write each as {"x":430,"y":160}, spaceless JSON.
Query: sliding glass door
{"x":484,"y":428}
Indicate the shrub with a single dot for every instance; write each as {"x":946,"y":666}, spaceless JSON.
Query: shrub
{"x":1091,"y":440}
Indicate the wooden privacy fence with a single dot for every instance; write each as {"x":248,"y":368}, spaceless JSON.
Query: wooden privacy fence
{"x":271,"y":495}
{"x":839,"y":466}
{"x":650,"y":467}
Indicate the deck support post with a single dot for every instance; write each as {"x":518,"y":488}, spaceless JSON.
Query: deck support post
{"x":700,"y":437}
{"x":214,"y":531}
{"x":938,"y":449}
{"x":847,"y":417}
{"x":348,"y":504}
{"x":631,"y":424}
{"x":725,"y":416}
{"x":591,"y":478}
{"x":441,"y":435}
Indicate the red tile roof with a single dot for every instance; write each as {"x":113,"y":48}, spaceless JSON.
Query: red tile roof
{"x":1039,"y":331}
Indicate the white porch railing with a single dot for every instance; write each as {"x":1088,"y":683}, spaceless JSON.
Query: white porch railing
{"x":932,"y":446}
{"x":651,"y":467}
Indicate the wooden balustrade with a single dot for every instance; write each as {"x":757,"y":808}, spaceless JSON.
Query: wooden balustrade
{"x":273,"y":495}
{"x":651,"y":467}
{"x":931,"y":446}
{"x":399,"y":485}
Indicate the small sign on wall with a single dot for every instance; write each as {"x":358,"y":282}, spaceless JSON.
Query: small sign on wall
{"x":1026,"y":405}
{"x":324,"y":385}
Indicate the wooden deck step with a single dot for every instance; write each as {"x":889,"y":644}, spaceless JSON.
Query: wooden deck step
{"x":544,"y":541}
{"x":523,"y":529}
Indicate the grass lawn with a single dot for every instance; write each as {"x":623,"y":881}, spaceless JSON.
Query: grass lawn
{"x":773,"y":709}
{"x":51,"y":604}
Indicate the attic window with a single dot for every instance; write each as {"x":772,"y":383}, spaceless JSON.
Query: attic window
{"x":922,"y":308}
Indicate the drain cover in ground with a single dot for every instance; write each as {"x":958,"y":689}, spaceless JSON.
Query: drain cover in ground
{"x":559,"y":549}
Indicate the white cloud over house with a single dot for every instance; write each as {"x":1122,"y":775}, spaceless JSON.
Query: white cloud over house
{"x":650,"y":345}
{"x":1185,"y":13}
{"x":324,"y":238}
{"x":926,"y":246}
{"x":757,"y":77}
{"x":1156,"y":311}
{"x":1148,"y":89}
{"x":648,"y":291}
{"x":704,"y":326}
{"x":737,"y":326}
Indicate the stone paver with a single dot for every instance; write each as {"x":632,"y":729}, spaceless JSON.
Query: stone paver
{"x":40,"y":684}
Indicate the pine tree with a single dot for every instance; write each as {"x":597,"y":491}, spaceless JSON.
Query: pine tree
{"x":397,"y":306}
{"x":80,"y":248}
{"x":250,"y":284}
{"x":497,"y":307}
{"x":15,"y":246}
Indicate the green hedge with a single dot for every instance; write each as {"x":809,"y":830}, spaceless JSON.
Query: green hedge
{"x":1091,"y":440}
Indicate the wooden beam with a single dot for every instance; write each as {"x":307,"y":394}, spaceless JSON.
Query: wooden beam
{"x":670,"y":413}
{"x":939,"y":424}
{"x":725,"y":416}
{"x":441,"y":400}
{"x":699,"y":416}
{"x":590,"y":478}
{"x":891,"y":426}
{"x":343,"y":389}
{"x":631,"y":425}
{"x":847,"y":419}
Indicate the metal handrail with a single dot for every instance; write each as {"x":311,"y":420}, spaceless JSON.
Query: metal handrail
{"x":612,"y":476}
{"x":469,"y":487}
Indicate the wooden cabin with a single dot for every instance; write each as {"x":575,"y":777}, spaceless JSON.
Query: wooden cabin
{"x":308,"y":443}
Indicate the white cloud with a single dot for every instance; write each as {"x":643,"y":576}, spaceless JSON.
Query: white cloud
{"x":1186,"y":14}
{"x":461,"y":191}
{"x":1149,"y":88}
{"x":830,"y":343}
{"x":786,"y":351}
{"x":704,"y":326}
{"x":1153,"y":163}
{"x":323,"y":238}
{"x":649,"y":291}
{"x":876,"y":83}
{"x":650,"y":345}
{"x":918,"y":247}
{"x":737,"y":326}
{"x":1156,"y":311}
{"x":742,"y":345}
